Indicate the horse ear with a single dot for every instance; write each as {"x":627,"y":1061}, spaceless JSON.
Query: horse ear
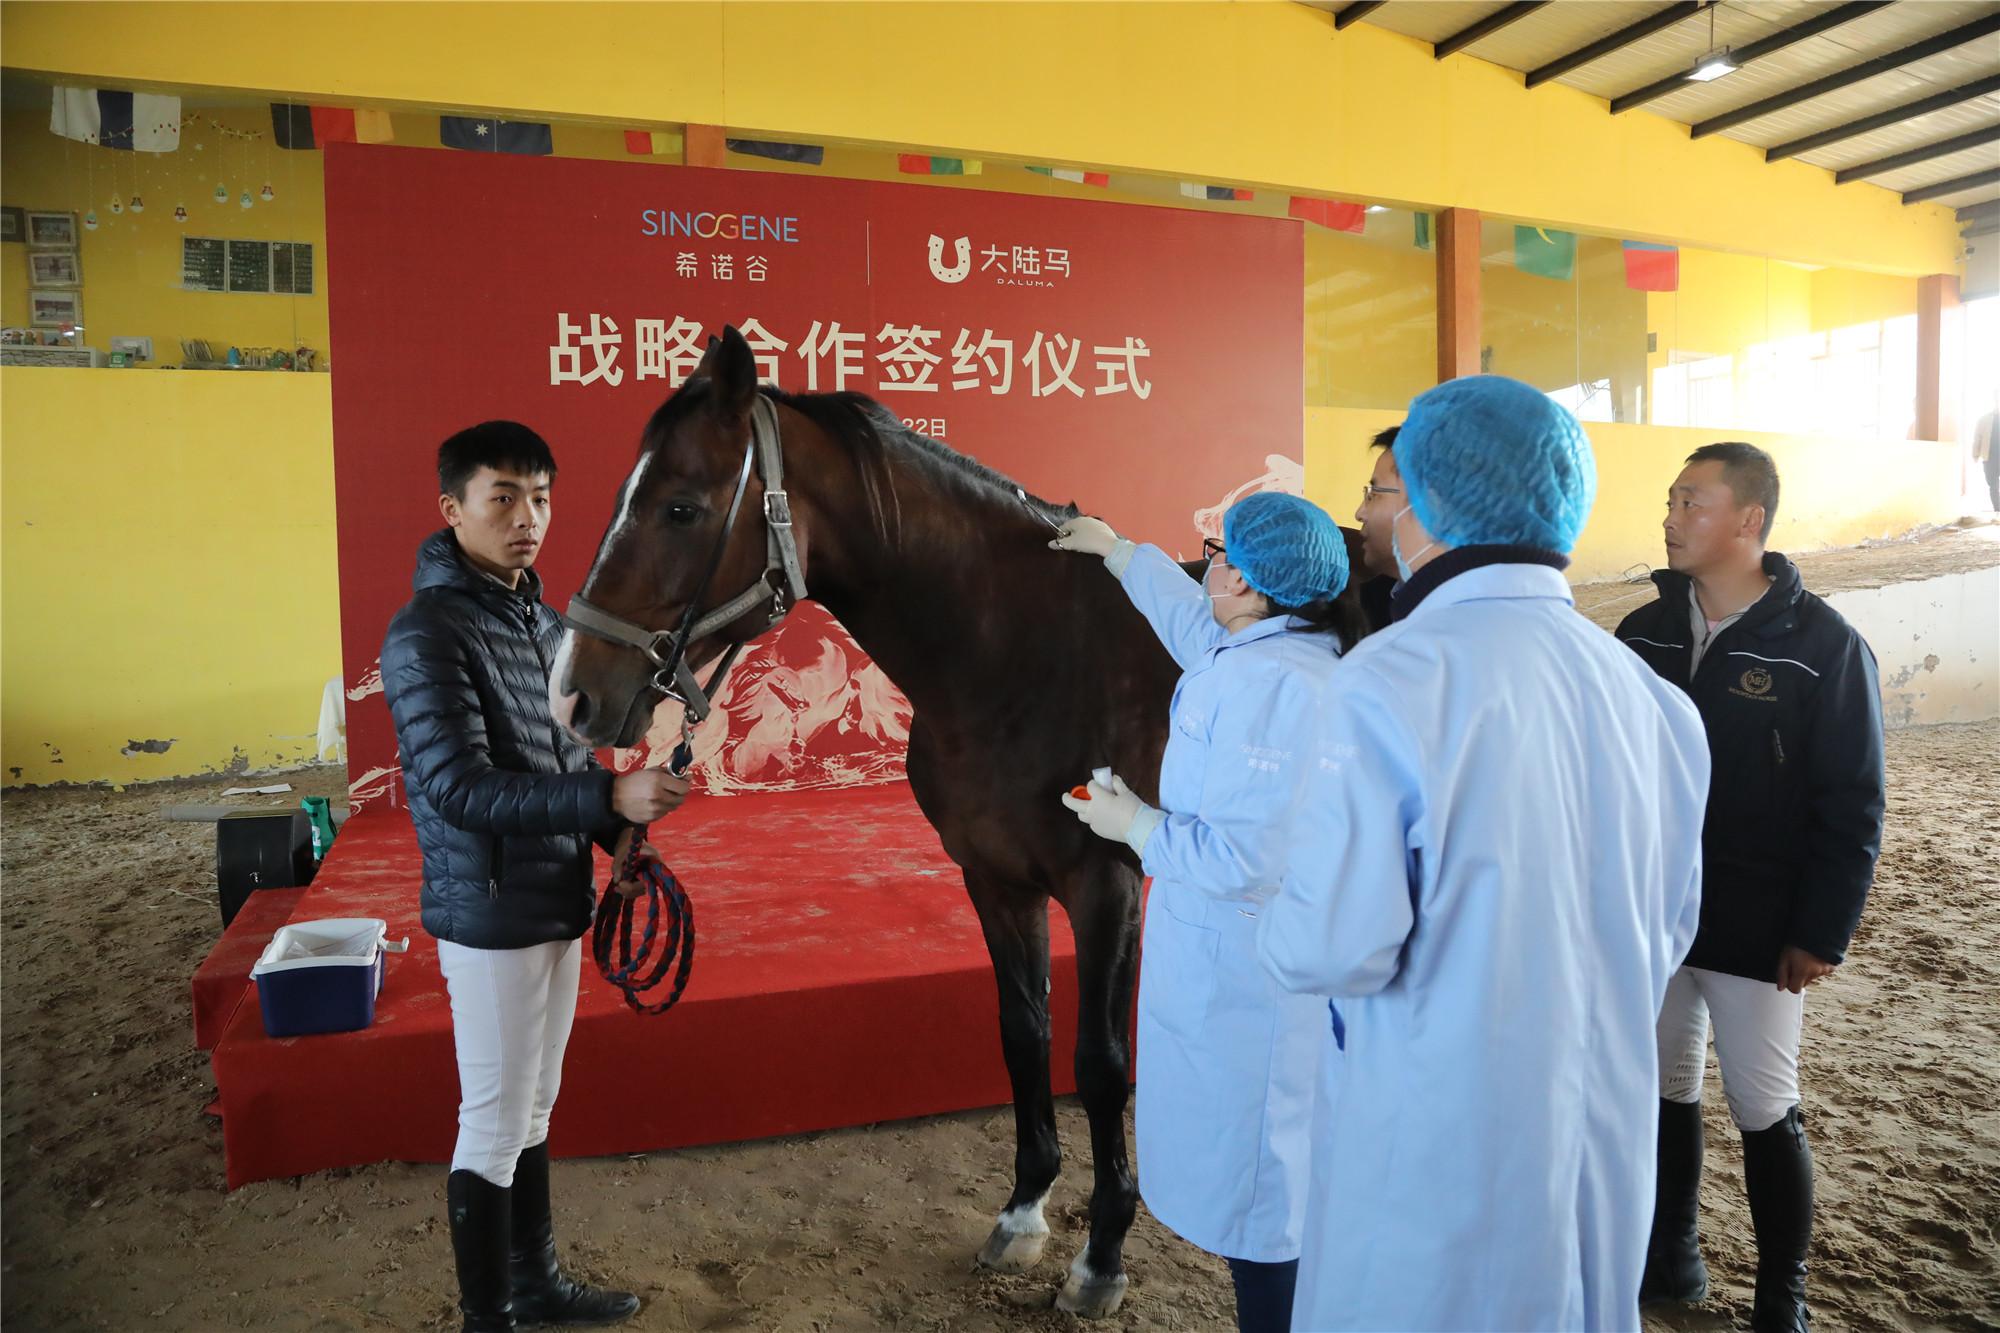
{"x":732,"y":367}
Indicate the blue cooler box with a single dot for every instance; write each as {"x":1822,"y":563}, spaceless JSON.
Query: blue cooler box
{"x":323,"y":976}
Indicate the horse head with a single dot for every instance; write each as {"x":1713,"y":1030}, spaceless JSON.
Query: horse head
{"x":700,"y":557}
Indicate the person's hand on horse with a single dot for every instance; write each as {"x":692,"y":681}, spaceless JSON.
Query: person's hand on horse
{"x":621,"y":852}
{"x":1109,"y":811}
{"x":647,"y":794}
{"x":1086,"y":535}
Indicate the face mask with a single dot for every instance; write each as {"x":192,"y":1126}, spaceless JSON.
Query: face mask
{"x":1396,"y":548}
{"x":1213,"y":565}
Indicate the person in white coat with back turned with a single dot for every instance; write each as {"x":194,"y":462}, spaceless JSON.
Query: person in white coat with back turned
{"x":1495,"y":868}
{"x":1227,"y":1060}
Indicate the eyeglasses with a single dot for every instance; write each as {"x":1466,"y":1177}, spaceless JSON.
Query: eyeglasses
{"x":1212,"y":551}
{"x":1369,"y":490}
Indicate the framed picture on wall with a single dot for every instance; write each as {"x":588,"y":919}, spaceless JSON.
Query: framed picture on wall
{"x":53,"y":268}
{"x":52,"y":310}
{"x":51,"y":231}
{"x":13,"y":225}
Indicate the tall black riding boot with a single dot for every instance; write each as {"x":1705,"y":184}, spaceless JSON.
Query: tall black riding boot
{"x":480,"y":1227}
{"x":1777,"y":1175}
{"x":1674,"y":1270}
{"x":543,"y":1294}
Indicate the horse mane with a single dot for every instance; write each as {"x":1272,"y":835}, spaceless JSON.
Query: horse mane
{"x":871,"y":433}
{"x":867,"y":428}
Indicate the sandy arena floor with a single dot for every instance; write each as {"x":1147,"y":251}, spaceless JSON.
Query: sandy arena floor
{"x":115,"y":1214}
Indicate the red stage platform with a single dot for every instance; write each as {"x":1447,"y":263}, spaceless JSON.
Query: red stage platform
{"x":839,"y":979}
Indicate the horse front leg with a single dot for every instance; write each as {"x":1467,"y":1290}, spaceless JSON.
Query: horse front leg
{"x":1104,"y":913}
{"x":1015,"y":921}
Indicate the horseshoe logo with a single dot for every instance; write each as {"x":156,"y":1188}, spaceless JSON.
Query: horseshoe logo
{"x":958,"y":271}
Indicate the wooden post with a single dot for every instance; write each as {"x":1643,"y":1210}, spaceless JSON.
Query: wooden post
{"x":1937,"y":317}
{"x":702,"y":146}
{"x":1458,"y":302}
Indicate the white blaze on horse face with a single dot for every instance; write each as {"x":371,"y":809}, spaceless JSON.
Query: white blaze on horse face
{"x":562,"y":705}
{"x":632,"y":484}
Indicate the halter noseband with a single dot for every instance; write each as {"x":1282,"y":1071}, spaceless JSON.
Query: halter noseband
{"x":782,"y":582}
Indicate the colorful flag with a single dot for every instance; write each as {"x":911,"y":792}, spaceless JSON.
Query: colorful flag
{"x":809,"y":153}
{"x":1423,"y":231}
{"x":139,"y":122}
{"x":1193,"y":190}
{"x":916,"y":164}
{"x":1545,"y":252}
{"x":1100,"y":179}
{"x":317,"y":126}
{"x":647,"y":143}
{"x":1330,"y":213}
{"x":481,"y":135}
{"x":373,"y":126}
{"x":1652,"y":268}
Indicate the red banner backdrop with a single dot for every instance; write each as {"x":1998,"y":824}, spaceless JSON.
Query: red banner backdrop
{"x":1144,"y":362}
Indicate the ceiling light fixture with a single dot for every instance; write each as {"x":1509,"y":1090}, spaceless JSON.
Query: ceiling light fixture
{"x":1717,"y":62}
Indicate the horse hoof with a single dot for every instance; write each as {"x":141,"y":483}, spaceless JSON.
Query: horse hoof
{"x":1012,"y":1251}
{"x":1088,"y":1296}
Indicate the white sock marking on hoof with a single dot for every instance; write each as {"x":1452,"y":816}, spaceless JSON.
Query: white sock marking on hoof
{"x":1089,"y":1295}
{"x":1017,"y":1240}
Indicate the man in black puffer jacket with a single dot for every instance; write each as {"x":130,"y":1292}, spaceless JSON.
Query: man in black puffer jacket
{"x":1788,"y":694}
{"x":506,"y":806}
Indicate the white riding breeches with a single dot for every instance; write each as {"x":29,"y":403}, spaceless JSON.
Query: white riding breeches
{"x":1756,"y":1043}
{"x":511,"y":1013}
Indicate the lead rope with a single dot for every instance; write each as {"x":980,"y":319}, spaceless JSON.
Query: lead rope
{"x":635,"y":972}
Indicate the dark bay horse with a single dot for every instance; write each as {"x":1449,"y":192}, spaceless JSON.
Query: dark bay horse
{"x":1026,"y":669}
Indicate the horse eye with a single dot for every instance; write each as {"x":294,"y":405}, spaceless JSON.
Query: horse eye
{"x":682,"y":515}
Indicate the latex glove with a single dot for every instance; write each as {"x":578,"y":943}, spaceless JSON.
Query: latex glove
{"x":1089,"y":536}
{"x":1116,"y":814}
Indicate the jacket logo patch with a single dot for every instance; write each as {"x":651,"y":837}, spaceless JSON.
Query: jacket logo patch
{"x":1755,"y":684}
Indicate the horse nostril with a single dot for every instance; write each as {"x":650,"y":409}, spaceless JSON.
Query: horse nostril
{"x":579,"y":713}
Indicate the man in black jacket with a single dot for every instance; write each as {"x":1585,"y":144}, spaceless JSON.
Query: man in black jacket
{"x":506,"y":807}
{"x":1788,"y":693}
{"x":1381,"y":498}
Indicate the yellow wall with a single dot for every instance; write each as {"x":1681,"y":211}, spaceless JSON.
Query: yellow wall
{"x":1554,"y":333}
{"x":169,"y":574}
{"x":229,"y":475}
{"x":1371,"y":301}
{"x":1842,"y":298}
{"x":1254,"y":94}
{"x":1371,"y":314}
{"x":1836,"y":492}
{"x":132,"y":263}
